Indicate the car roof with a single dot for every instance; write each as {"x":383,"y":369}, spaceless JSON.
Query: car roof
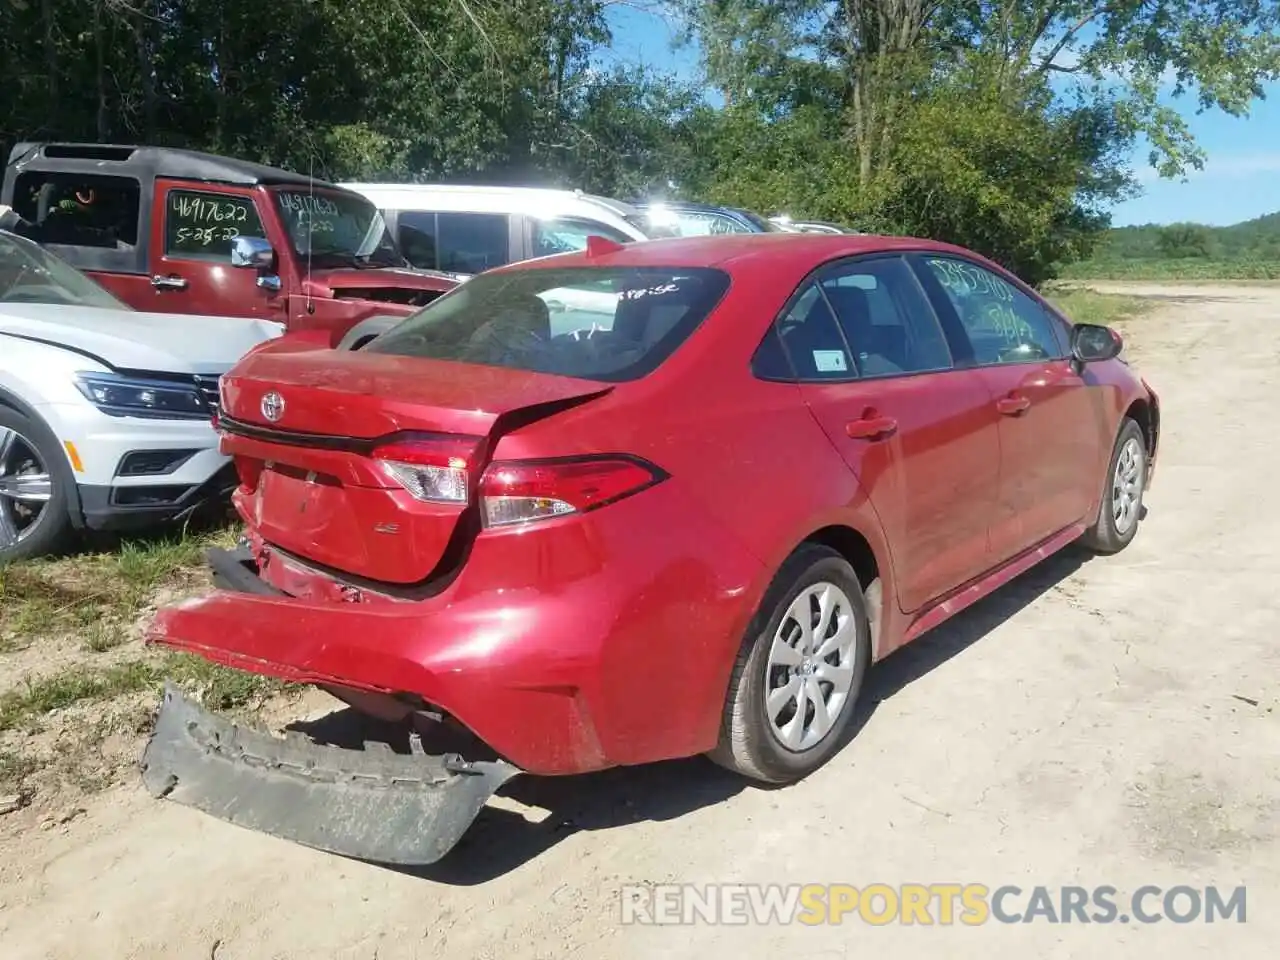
{"x":683,"y":205}
{"x":731,"y":252}
{"x":481,"y":197}
{"x":165,"y":162}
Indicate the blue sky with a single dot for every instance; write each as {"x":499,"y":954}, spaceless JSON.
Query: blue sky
{"x":1241,"y":178}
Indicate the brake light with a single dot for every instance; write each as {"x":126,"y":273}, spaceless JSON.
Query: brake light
{"x":431,"y":469}
{"x":525,"y":491}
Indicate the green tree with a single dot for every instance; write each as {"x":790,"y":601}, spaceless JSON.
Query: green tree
{"x":1005,"y":126}
{"x":1185,"y":240}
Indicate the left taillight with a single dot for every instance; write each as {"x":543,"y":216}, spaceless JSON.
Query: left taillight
{"x":431,"y":469}
{"x":525,"y":491}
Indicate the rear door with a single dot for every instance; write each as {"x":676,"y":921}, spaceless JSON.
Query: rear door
{"x":876,"y":370}
{"x":1048,"y":442}
{"x":192,"y":230}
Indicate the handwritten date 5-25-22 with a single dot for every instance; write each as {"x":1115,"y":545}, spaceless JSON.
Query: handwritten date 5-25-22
{"x":206,"y":236}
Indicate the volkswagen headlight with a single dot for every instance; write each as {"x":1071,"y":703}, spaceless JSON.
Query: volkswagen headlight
{"x":119,"y":396}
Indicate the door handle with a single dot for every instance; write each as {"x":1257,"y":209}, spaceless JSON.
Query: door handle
{"x":168,"y":283}
{"x":1012,"y":405}
{"x":870,"y":428}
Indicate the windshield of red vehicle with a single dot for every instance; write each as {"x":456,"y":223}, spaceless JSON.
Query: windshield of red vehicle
{"x":336,"y":229}
{"x":596,"y":323}
{"x":30,"y":274}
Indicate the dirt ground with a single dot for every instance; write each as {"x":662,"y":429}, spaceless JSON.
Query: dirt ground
{"x":1103,"y":721}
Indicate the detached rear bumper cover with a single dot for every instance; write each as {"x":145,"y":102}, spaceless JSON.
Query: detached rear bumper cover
{"x":370,"y":804}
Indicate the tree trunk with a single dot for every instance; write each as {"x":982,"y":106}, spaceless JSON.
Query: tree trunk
{"x":100,"y":46}
{"x":144,"y":33}
{"x":51,"y":64}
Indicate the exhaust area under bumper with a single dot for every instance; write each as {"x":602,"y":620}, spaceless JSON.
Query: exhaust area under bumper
{"x":372,"y":804}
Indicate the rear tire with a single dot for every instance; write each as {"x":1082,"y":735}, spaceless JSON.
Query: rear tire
{"x":1120,"y":512}
{"x":794,"y":689}
{"x":30,"y":468}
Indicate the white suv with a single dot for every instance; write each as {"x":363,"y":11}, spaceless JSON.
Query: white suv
{"x":105,"y":412}
{"x":465,"y":230}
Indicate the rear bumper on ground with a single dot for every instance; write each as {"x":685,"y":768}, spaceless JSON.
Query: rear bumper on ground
{"x":599,"y":640}
{"x":404,"y":807}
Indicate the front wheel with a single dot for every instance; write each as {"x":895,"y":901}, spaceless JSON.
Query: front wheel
{"x":1121,"y":509}
{"x":797,"y":677}
{"x":34,"y":520}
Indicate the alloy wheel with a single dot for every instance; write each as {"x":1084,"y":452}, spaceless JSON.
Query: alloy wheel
{"x":810,"y":667}
{"x":25,"y":487}
{"x":1126,"y":485}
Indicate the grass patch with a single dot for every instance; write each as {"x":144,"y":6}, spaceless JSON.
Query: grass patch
{"x":145,"y":566}
{"x":1086,"y":306}
{"x":76,"y":685}
{"x":1198,"y":268}
{"x":101,"y":637}
{"x":96,"y":595}
{"x":217,"y":687}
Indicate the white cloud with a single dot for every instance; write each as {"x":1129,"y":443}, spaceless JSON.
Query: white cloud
{"x":1222,"y":165}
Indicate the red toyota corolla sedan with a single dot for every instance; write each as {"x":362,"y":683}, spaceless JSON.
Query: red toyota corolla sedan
{"x":666,"y":499}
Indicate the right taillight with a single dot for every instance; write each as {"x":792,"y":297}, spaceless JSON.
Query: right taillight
{"x":524,"y":491}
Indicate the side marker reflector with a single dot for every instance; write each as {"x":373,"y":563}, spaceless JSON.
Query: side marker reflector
{"x":76,"y":463}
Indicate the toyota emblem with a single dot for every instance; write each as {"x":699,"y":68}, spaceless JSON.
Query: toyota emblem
{"x":272,"y":406}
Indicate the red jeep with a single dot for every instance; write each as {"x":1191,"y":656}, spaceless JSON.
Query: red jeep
{"x":175,"y":231}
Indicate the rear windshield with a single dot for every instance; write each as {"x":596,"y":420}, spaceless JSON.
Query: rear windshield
{"x":597,"y":323}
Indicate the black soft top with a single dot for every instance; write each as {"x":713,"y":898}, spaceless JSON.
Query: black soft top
{"x":150,"y":162}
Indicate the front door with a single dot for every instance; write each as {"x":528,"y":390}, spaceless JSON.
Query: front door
{"x":191,"y":272}
{"x":1048,"y":453}
{"x":921,"y":436}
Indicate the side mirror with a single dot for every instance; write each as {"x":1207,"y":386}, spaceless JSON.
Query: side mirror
{"x":1091,"y":343}
{"x":252,"y":252}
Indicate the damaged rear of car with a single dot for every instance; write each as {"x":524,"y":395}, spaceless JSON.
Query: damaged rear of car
{"x":433,"y":536}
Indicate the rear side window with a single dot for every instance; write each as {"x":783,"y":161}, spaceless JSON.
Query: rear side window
{"x":597,"y":323}
{"x":80,"y":210}
{"x":467,"y":243}
{"x":811,"y":338}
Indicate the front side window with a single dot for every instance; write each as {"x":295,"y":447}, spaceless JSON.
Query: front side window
{"x":664,"y":221}
{"x":886,"y":318}
{"x":29,"y":274}
{"x":568,"y":235}
{"x":596,"y":323}
{"x":201,"y":226}
{"x":1003,"y":324}
{"x":708,"y":224}
{"x":763,"y":225}
{"x":330,"y":229}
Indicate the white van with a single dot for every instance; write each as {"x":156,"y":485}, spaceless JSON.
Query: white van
{"x":465,"y":230}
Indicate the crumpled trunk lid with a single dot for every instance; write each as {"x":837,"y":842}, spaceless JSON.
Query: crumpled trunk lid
{"x":313,"y":431}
